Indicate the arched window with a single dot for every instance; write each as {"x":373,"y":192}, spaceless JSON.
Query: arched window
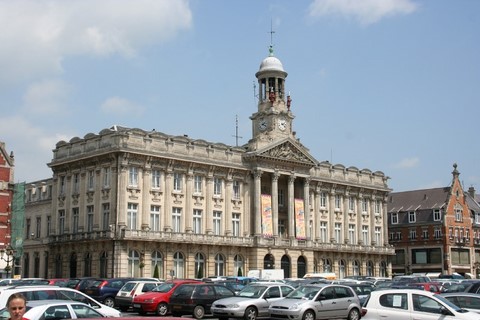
{"x":370,"y":270}
{"x":178,"y":265}
{"x":219,"y":265}
{"x":103,"y":264}
{"x":133,"y":263}
{"x":383,"y":269}
{"x":342,"y":271}
{"x":301,"y":267}
{"x":58,"y":266}
{"x":356,"y":267}
{"x":157,"y":262}
{"x":200,"y":266}
{"x":87,"y":268}
{"x":268,"y":262}
{"x":238,"y":265}
{"x":327,"y":265}
{"x":73,"y":265}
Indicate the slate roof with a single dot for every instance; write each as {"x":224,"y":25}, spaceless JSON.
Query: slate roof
{"x":434,"y":198}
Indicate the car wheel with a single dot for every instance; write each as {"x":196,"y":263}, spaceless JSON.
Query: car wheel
{"x":198,"y":312}
{"x":250,"y":314}
{"x":354,"y":314}
{"x":162,"y":309}
{"x":109,"y":302}
{"x":308,"y":315}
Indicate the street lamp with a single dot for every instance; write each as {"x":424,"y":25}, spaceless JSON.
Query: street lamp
{"x":7,"y":254}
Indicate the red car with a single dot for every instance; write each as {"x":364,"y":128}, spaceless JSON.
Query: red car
{"x":157,"y":300}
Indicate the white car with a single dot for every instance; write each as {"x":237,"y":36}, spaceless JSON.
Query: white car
{"x":55,"y":309}
{"x":408,"y":304}
{"x":251,"y":302}
{"x":57,"y":293}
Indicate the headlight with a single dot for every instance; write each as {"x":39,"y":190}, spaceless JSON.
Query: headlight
{"x":148,"y":301}
{"x":233,"y":305}
{"x":294,"y":307}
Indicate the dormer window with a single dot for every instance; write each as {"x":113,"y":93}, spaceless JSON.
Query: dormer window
{"x":412,"y":217}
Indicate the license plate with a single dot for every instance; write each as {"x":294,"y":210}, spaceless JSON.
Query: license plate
{"x":136,"y":305}
{"x":177,"y":307}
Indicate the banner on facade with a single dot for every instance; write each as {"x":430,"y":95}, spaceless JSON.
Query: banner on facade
{"x":267,"y":218}
{"x":299,"y":219}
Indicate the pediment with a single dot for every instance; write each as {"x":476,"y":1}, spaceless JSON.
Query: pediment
{"x":288,"y":151}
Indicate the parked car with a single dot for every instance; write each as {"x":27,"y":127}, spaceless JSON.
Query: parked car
{"x":411,"y":304}
{"x":410,"y":278}
{"x":47,"y":292}
{"x":55,"y":310}
{"x":232,"y":285}
{"x":158,"y":299}
{"x":464,"y":300}
{"x":58,"y":282}
{"x":131,"y":289}
{"x":105,"y":290}
{"x":196,"y":298}
{"x":317,"y":301}
{"x":362,"y":290}
{"x":250,"y":303}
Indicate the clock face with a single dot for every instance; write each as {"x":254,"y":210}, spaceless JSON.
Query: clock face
{"x":282,"y":124}
{"x":262,"y":124}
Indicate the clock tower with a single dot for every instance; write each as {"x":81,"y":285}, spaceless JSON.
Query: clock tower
{"x":273,"y":119}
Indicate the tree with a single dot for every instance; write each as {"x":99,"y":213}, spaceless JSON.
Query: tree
{"x":239,"y":273}
{"x":156,"y":272}
{"x":200,"y":272}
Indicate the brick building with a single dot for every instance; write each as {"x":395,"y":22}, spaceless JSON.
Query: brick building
{"x":6,"y":197}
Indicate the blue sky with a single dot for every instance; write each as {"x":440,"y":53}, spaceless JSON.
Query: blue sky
{"x":388,"y":85}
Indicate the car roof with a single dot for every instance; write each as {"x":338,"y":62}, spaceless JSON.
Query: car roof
{"x":35,"y":303}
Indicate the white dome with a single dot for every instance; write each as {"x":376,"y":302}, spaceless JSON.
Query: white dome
{"x":271,"y":63}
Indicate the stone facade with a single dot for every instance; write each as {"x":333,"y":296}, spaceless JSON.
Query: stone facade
{"x":128,"y":201}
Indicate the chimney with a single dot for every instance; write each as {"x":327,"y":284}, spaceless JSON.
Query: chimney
{"x":471,"y":192}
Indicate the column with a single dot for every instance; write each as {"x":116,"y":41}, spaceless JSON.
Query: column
{"x":228,"y":207}
{"x":291,"y":208}
{"x":145,"y":208}
{"x":122,"y":201}
{"x":316,"y":214}
{"x":257,"y":183}
{"x":168,"y":202}
{"x":359,"y":220}
{"x":331,"y":215}
{"x":306,"y":204}
{"x":346,"y":221}
{"x":384,"y":225}
{"x":370,"y":221}
{"x":208,"y":205}
{"x":188,"y":203}
{"x":275,"y":177}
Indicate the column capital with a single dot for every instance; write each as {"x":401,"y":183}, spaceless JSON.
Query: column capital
{"x":257,"y":173}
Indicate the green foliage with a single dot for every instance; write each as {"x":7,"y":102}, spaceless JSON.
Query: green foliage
{"x":200,"y":273}
{"x":239,"y":273}
{"x":156,"y":272}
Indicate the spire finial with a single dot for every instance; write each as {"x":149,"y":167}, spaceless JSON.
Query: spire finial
{"x":270,"y":49}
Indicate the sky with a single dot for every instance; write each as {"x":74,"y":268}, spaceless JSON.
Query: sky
{"x":384,"y":85}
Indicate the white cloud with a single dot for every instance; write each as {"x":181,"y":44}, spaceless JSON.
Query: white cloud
{"x":47,"y":97}
{"x":407,"y":163}
{"x":364,"y":11}
{"x":37,"y":35}
{"x":117,"y":106}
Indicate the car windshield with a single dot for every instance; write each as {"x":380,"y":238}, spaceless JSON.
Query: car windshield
{"x":304,"y":292}
{"x":447,"y":302}
{"x":252,"y":291}
{"x":164,"y":287}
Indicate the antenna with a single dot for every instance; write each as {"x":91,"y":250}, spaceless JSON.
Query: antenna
{"x":236,"y":131}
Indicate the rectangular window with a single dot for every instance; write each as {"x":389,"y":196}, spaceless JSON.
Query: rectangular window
{"x":425,"y":234}
{"x":399,"y":257}
{"x":338,"y":201}
{"x":365,"y":237}
{"x":49,"y":225}
{"x":458,"y":214}
{"x":155,"y":218}
{"x":378,"y":235}
{"x":76,"y":183}
{"x":38,"y":229}
{"x":61,"y":222}
{"x":450,"y":233}
{"x":62,"y":185}
{"x":91,"y":180}
{"x":177,"y":182}
{"x":437,"y":233}
{"x":477,"y":217}
{"x":217,"y":223}
{"x":423,"y":256}
{"x":351,"y":204}
{"x":155,"y":179}
{"x":176,"y":219}
{"x":106,"y":177}
{"x":412,"y":217}
{"x":90,"y":215}
{"x":217,"y":186}
{"x":399,"y":235}
{"x":236,"y":189}
{"x":106,"y":216}
{"x":413,"y":234}
{"x":338,"y":232}
{"x":75,"y":219}
{"x":236,"y":224}
{"x":391,"y":236}
{"x":197,"y":221}
{"x":351,"y":234}
{"x":323,"y":232}
{"x":378,"y":207}
{"x":323,"y":200}
{"x":133,"y":177}
{"x":282,"y":231}
{"x":281,"y":197}
{"x":132,"y":210}
{"x":197,"y":184}
{"x":436,"y":215}
{"x":394,"y":218}
{"x":364,"y":205}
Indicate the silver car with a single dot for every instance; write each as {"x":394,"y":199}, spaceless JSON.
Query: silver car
{"x":317,"y":301}
{"x":251,"y":302}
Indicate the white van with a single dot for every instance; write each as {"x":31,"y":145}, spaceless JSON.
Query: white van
{"x":56,"y":293}
{"x":323,"y":275}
